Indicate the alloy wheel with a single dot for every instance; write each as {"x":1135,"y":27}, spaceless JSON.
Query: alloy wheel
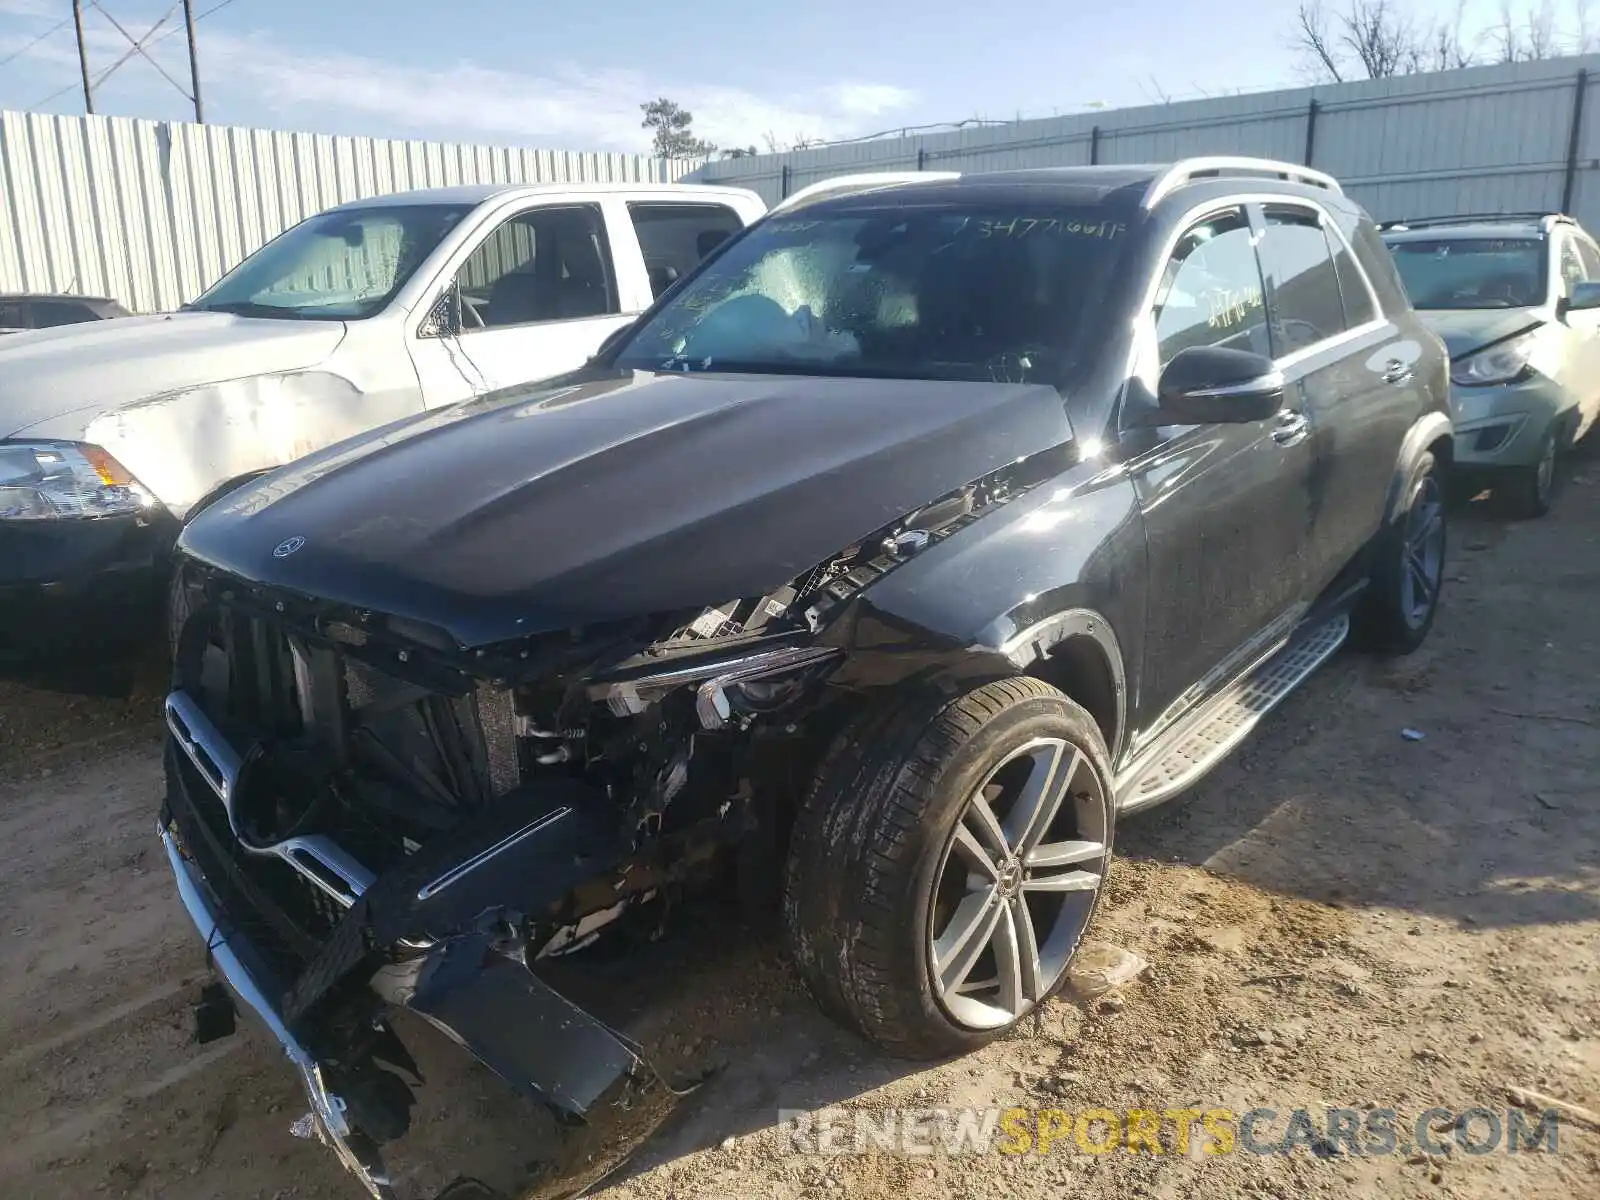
{"x":1017,"y":884}
{"x":1424,"y":550}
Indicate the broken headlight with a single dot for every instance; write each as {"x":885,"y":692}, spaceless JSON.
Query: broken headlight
{"x":44,"y":481}
{"x":1506,"y":362}
{"x":728,"y":691}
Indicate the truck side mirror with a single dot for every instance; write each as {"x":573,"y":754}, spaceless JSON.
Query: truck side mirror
{"x":444,"y":317}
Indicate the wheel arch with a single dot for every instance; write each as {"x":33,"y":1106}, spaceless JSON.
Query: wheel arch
{"x":1431,"y":434}
{"x":1077,"y":651}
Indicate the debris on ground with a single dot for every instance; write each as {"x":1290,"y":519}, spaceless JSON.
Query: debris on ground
{"x":1099,"y":968}
{"x":1539,"y":1102}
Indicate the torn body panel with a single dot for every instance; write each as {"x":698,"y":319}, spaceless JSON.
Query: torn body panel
{"x":300,"y":968}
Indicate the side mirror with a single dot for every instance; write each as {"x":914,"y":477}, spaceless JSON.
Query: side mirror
{"x":444,"y":318}
{"x":613,"y":339}
{"x":1584,"y":296}
{"x":1212,"y":385}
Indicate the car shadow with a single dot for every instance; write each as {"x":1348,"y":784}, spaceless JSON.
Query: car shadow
{"x":1458,"y":782}
{"x":1489,"y":819}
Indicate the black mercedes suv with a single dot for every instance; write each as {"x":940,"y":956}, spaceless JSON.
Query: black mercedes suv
{"x":923,"y":532}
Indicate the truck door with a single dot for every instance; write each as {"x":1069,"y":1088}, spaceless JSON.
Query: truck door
{"x":536,"y":298}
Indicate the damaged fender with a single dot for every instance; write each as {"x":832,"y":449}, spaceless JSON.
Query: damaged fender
{"x":237,"y":427}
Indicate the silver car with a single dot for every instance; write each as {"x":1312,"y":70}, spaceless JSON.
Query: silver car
{"x":1516,"y":299}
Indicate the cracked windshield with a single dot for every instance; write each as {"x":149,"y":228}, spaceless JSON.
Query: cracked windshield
{"x":953,"y":293}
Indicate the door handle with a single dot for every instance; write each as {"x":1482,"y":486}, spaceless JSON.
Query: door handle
{"x":1396,"y":372}
{"x":1291,"y":427}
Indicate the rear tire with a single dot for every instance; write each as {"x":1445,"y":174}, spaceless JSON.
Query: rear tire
{"x":1403,"y":597}
{"x":945,"y":841}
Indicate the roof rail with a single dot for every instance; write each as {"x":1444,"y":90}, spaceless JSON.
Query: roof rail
{"x":1188,"y":169}
{"x":868,"y":181}
{"x":1545,"y":219}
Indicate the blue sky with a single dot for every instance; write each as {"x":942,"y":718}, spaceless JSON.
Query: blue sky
{"x":573,"y":75}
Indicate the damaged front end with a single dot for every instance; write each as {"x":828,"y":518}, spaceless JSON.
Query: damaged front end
{"x":350,"y":842}
{"x":366,"y":819}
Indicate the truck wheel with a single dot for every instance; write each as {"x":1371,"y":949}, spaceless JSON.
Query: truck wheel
{"x":946,"y":863}
{"x":1530,"y":491}
{"x":1398,"y":609}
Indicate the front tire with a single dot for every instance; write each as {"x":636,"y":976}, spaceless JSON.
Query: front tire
{"x":1530,"y":491}
{"x":1403,"y":597}
{"x":946,"y":863}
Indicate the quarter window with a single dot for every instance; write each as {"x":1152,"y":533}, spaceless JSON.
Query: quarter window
{"x":675,"y":237}
{"x":1358,"y":305}
{"x":1210,"y":293}
{"x":549,"y":264}
{"x":1307,"y":306}
{"x":1591,"y":259}
{"x":1571,"y":266}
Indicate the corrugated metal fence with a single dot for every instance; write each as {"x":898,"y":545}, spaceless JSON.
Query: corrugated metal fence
{"x":152,"y":212}
{"x":1517,"y":137}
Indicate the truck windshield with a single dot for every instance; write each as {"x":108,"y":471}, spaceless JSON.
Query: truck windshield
{"x":1465,"y":272}
{"x":341,"y":265}
{"x":950,"y":292}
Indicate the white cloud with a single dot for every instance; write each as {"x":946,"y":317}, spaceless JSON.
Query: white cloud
{"x":563,"y":106}
{"x":29,"y":8}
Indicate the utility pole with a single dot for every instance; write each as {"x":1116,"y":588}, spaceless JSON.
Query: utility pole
{"x":194,"y":63}
{"x":83,"y":57}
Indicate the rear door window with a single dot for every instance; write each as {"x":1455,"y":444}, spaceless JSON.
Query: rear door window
{"x":1303,"y":291}
{"x":674,"y":237}
{"x":14,"y":315}
{"x":1210,"y":292}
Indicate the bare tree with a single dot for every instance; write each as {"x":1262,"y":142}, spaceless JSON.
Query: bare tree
{"x":1448,"y":49}
{"x":795,"y":141}
{"x":1370,"y":38}
{"x":1376,"y":39}
{"x":1582,"y":37}
{"x":1315,"y":41}
{"x":1528,"y":38}
{"x":1155,"y":93}
{"x":1381,"y":37}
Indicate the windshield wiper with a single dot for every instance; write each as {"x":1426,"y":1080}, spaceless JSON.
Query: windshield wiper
{"x":249,"y":308}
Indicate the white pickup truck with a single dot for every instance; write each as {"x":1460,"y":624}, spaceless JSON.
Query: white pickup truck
{"x":111,"y":433}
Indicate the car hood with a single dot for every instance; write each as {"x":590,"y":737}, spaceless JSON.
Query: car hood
{"x":1466,"y":330}
{"x":101,"y":365}
{"x":610,"y":494}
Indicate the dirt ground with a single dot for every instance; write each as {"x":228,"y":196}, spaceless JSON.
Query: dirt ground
{"x":1337,"y":916}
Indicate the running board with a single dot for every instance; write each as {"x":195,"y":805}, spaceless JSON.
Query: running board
{"x":1180,"y":758}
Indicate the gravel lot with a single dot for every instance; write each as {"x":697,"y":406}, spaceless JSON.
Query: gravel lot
{"x":1337,"y":916}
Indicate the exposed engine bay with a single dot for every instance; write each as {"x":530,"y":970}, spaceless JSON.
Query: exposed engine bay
{"x":396,"y":821}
